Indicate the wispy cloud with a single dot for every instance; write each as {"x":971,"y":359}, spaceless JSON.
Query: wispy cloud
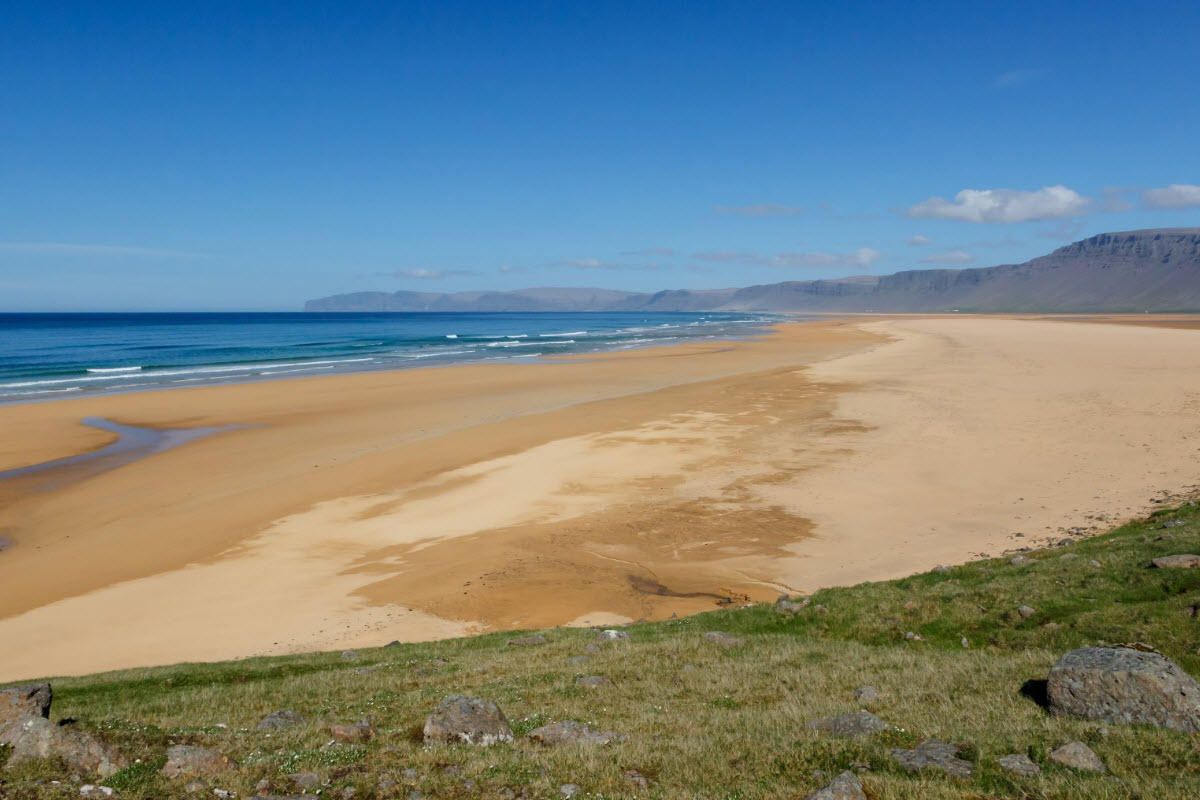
{"x":1115,"y":198}
{"x":950,"y":257}
{"x":596,"y":263}
{"x":421,"y":274}
{"x":917,"y":240}
{"x":863,"y":257}
{"x":1177,"y":195}
{"x":1017,"y":77}
{"x":760,"y":210}
{"x":1004,"y":205}
{"x":650,"y":251}
{"x":102,"y":250}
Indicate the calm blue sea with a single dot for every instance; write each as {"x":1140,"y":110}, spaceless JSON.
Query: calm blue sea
{"x":48,"y":356}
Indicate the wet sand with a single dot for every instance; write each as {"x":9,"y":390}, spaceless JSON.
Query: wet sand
{"x":440,"y":502}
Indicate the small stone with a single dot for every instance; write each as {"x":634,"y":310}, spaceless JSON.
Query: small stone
{"x":90,"y":790}
{"x":722,"y":639}
{"x":851,"y":726}
{"x":1094,"y":563}
{"x":579,"y":659}
{"x":965,"y":644}
{"x":527,"y":641}
{"x":933,"y":755}
{"x":1068,"y":556}
{"x":190,"y":761}
{"x":1186,"y":561}
{"x":569,"y":790}
{"x":941,"y":568}
{"x":786,"y":605}
{"x":913,"y":637}
{"x":1026,"y":612}
{"x":570,"y":732}
{"x":361,"y":731}
{"x":612,"y":636}
{"x":467,"y":720}
{"x":593,"y":682}
{"x":1019,"y":764}
{"x":846,"y":786}
{"x":350,"y":655}
{"x":306,"y":780}
{"x":278,"y":720}
{"x":1018,"y":561}
{"x":1078,"y":755}
{"x":866,"y":695}
{"x":637,"y":779}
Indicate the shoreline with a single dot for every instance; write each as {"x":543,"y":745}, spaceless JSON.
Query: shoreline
{"x":367,"y":507}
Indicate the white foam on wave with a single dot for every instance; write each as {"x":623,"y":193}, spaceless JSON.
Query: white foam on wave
{"x":451,"y":335}
{"x":248,"y":368}
{"x":114,"y":369}
{"x":568,"y":333}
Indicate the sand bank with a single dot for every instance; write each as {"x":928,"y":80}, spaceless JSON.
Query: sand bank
{"x":432,"y":503}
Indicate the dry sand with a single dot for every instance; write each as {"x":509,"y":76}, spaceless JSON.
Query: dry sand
{"x":431,"y":503}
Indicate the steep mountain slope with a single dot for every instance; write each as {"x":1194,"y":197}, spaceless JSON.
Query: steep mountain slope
{"x":1149,"y":270}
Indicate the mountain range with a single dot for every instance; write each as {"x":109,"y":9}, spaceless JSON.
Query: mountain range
{"x":1147,"y":270}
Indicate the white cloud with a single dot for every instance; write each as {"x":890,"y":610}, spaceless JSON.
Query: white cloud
{"x":1004,"y":205}
{"x":1177,"y":195}
{"x":917,"y":240}
{"x":431,"y":274}
{"x":596,"y":263}
{"x":951,"y":257}
{"x":863,"y":257}
{"x":760,"y":210}
{"x":1017,"y":77}
{"x":62,"y":248}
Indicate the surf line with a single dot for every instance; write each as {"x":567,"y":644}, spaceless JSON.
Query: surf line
{"x":133,"y":444}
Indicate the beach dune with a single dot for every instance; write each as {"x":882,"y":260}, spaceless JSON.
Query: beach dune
{"x":357,"y":509}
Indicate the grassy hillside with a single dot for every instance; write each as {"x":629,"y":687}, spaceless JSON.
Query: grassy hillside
{"x":701,"y":721}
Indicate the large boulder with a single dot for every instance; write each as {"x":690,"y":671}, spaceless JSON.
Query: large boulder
{"x":1184,"y":561}
{"x":191,"y":761}
{"x":571,"y":732}
{"x":26,"y":728}
{"x":851,"y":726}
{"x":467,"y":720}
{"x":933,"y":755}
{"x":18,"y":703}
{"x":1123,"y":684}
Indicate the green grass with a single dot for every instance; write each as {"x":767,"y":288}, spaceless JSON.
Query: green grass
{"x":702,"y":722}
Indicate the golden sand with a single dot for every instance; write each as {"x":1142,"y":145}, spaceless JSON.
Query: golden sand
{"x":437,"y":502}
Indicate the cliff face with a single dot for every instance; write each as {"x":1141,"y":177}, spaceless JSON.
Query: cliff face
{"x":1150,"y":270}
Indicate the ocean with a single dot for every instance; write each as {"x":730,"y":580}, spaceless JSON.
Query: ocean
{"x":50,"y":356}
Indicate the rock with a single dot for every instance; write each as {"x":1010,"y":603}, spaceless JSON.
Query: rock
{"x":278,"y":720}
{"x":393,"y":643}
{"x":20,"y":702}
{"x":1187,"y":561}
{"x":851,"y":726}
{"x":933,"y":755}
{"x":570,"y":732}
{"x":1078,"y":755}
{"x":846,"y":786}
{"x":90,"y":790}
{"x":612,"y":636}
{"x":1019,"y":764}
{"x":350,"y":655}
{"x":786,"y":605}
{"x":913,"y":637}
{"x":1068,"y":556}
{"x":593,"y":681}
{"x":639,"y":780}
{"x":965,"y":644}
{"x":1019,"y":560}
{"x":467,"y":720}
{"x":579,"y":659}
{"x":723,"y":639}
{"x":190,"y":761}
{"x":569,"y":790}
{"x":527,"y":641}
{"x":866,"y":695}
{"x":359,"y":732}
{"x":941,"y":568}
{"x":1026,"y":612}
{"x":306,"y":780}
{"x":1095,"y":564}
{"x":1121,"y":684}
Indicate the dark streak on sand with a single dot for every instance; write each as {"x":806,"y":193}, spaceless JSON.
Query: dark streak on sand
{"x":132,"y":444}
{"x":5,"y":543}
{"x":651,"y":586}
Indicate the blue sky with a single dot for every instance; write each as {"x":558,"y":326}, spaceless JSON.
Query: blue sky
{"x":253,"y":155}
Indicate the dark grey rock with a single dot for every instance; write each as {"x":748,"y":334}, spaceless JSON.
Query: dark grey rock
{"x":866,"y":695}
{"x":306,"y":780}
{"x":278,"y":720}
{"x":933,"y":755}
{"x":722,"y":639}
{"x":1019,"y":764}
{"x":570,"y":732}
{"x":851,"y":726}
{"x":846,"y":786}
{"x":1078,"y":755}
{"x":467,"y":720}
{"x":190,"y":761}
{"x":36,"y":738}
{"x":350,"y":655}
{"x":1122,"y":684}
{"x":21,"y":702}
{"x":593,"y":681}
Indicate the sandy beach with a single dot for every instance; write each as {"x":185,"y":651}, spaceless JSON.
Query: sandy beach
{"x":358,"y":509}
